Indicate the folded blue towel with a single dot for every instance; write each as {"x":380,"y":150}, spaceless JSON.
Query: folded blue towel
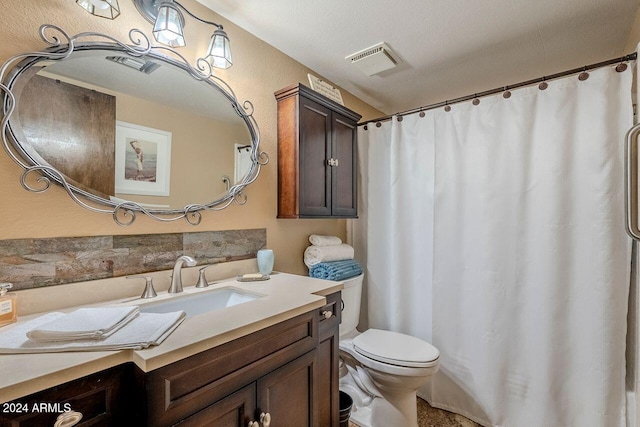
{"x":336,"y":270}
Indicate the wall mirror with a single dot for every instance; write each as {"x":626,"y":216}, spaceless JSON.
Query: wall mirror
{"x":127,"y":128}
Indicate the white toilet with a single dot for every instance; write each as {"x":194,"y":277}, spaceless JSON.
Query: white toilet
{"x":381,"y":370}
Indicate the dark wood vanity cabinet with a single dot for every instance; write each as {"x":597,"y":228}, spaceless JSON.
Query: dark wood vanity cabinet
{"x":285,"y":395}
{"x":287,"y":372}
{"x":317,"y":156}
{"x":240,"y":380}
{"x":106,"y":398}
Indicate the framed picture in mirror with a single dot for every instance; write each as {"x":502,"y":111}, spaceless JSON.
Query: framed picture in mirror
{"x":143,"y":160}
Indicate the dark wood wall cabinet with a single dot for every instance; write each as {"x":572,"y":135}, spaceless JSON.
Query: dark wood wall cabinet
{"x":317,"y":156}
{"x":285,"y":375}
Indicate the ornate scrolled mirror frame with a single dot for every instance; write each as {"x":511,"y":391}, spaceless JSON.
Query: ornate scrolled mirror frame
{"x":37,"y":177}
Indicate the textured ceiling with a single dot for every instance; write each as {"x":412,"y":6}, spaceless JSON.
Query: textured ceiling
{"x":449,"y":48}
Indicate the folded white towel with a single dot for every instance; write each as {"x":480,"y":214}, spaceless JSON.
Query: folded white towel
{"x":85,"y":323}
{"x":144,"y":330}
{"x":318,"y":240}
{"x":316,"y":254}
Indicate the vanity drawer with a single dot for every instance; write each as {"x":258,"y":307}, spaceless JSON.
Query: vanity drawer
{"x":103,"y":399}
{"x":183,"y":388}
{"x":330,"y":315}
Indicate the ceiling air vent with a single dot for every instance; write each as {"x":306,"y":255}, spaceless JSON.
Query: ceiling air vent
{"x":141,"y":65}
{"x":374,"y":59}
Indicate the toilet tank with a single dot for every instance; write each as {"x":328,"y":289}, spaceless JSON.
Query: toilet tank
{"x":351,"y":297}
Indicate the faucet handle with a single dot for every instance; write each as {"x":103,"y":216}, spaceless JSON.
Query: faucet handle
{"x":202,"y":280}
{"x":148,"y":292}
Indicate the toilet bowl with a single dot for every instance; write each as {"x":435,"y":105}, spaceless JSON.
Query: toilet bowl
{"x":381,"y":370}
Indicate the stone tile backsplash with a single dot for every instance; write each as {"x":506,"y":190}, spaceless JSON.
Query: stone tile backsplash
{"x":33,"y":263}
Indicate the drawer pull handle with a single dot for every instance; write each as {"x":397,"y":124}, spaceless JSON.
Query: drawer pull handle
{"x":265,"y":419}
{"x":68,"y":419}
{"x":333,"y":162}
{"x":327,"y":314}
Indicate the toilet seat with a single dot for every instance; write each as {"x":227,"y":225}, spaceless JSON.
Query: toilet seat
{"x":396,"y":349}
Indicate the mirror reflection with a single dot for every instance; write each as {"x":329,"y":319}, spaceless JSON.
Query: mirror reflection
{"x":131,"y":128}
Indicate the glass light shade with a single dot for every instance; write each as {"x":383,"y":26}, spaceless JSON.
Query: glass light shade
{"x":219,"y":51}
{"x":168,"y":27}
{"x":103,"y":8}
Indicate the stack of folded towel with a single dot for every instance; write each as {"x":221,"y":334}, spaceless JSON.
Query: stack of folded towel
{"x":90,"y":329}
{"x":329,"y":258}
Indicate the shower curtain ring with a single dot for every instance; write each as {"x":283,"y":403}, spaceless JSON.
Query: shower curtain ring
{"x":475,"y":101}
{"x":621,"y":67}
{"x":543,"y":85}
{"x":583,"y":75}
{"x":447,"y":107}
{"x":506,"y":94}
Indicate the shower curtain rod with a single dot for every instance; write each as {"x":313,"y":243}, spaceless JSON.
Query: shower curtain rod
{"x":630,"y":57}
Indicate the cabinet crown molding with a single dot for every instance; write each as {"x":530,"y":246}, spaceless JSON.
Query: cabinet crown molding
{"x":300,"y":89}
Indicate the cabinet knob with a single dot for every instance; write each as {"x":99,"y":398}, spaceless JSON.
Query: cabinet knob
{"x":333,"y":162}
{"x":327,"y":314}
{"x":253,"y":424}
{"x":265,"y":419}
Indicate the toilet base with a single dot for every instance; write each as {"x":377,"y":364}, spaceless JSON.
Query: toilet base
{"x":383,"y":412}
{"x":377,"y":405}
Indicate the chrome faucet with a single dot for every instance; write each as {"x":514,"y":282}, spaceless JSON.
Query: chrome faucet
{"x":176,"y":277}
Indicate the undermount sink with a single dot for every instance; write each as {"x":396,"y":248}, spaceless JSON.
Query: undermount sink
{"x":201,"y":302}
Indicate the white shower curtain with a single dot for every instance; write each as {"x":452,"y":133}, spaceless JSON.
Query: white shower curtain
{"x":530,"y":261}
{"x":394,"y":236}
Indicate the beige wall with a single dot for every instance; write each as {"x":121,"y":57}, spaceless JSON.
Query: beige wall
{"x":634,"y":36}
{"x":259,"y":70}
{"x":192,"y":179}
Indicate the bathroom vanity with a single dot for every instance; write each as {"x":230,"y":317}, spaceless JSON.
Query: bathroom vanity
{"x":270,"y":360}
{"x":282,"y":368}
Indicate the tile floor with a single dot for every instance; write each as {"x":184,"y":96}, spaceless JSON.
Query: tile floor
{"x":432,"y":417}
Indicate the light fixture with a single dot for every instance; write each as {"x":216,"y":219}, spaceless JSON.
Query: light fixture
{"x":168,"y":24}
{"x":219,"y":50}
{"x":103,"y":8}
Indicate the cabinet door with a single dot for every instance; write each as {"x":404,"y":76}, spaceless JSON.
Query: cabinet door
{"x":235,"y":410}
{"x":314,"y":150}
{"x":327,"y":394}
{"x":287,"y":395}
{"x":343,"y":176}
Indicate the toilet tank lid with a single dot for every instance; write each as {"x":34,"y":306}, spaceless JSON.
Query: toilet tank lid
{"x":395,"y":348}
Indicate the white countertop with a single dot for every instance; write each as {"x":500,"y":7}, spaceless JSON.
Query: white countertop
{"x":286,"y":296}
